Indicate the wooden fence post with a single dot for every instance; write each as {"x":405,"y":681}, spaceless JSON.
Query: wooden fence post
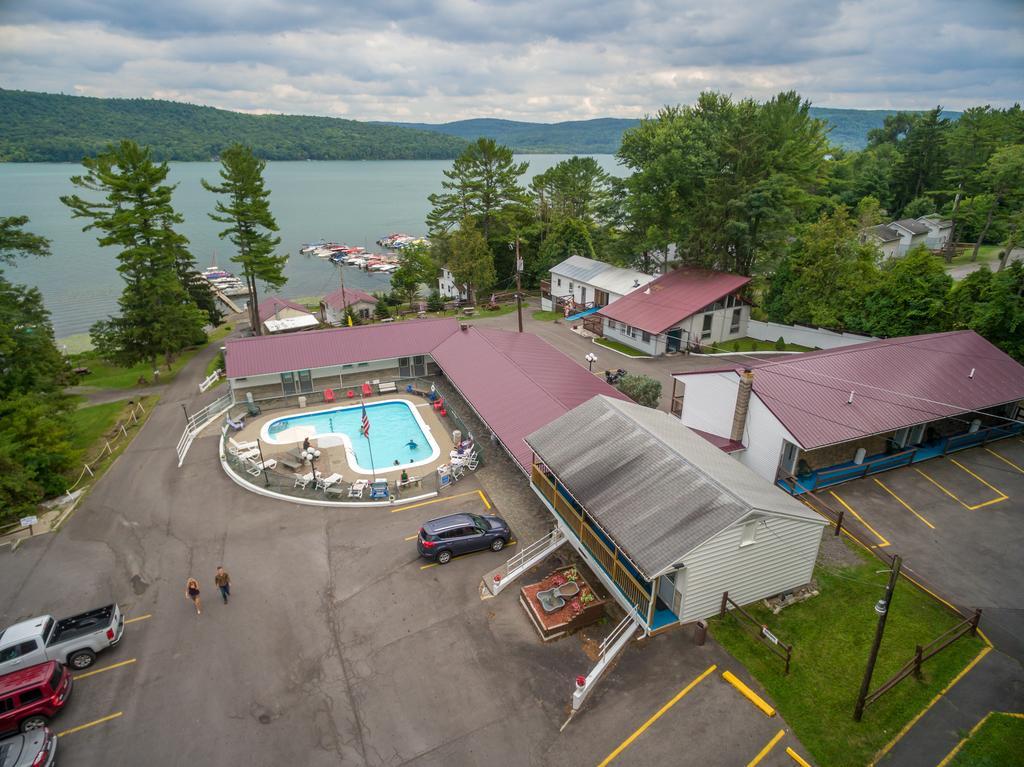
{"x":917,"y":661}
{"x":839,"y":522}
{"x":975,"y":620}
{"x":725,"y":598}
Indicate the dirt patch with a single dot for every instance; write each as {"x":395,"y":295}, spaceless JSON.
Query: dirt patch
{"x":836,"y":551}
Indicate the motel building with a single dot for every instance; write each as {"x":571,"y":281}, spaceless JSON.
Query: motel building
{"x":666,"y":520}
{"x":585,"y":285}
{"x":812,"y":420}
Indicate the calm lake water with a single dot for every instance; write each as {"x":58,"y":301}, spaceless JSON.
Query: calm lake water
{"x":349,"y":202}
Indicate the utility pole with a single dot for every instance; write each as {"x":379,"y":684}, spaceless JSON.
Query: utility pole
{"x":882,"y":608}
{"x":519,"y":285}
{"x":344,"y":302}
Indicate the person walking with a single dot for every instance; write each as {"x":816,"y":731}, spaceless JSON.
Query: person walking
{"x":192,"y":592}
{"x":223,"y":581}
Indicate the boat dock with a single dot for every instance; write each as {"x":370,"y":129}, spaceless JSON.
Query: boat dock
{"x":226,"y":301}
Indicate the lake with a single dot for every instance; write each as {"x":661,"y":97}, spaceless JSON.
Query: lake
{"x":348,"y":202}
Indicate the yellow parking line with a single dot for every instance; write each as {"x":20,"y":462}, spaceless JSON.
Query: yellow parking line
{"x":995,"y":490}
{"x":749,"y":694}
{"x":433,"y":500}
{"x":797,"y":758}
{"x":768,"y":747}
{"x":438,"y":564}
{"x":105,"y":668}
{"x":413,"y":537}
{"x":484,"y":499}
{"x":962,"y":503}
{"x":1004,"y":460}
{"x":89,"y":724}
{"x":140,"y":618}
{"x":643,"y":728}
{"x":904,"y":504}
{"x":882,"y":542}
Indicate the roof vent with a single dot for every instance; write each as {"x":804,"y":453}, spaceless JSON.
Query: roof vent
{"x":971,"y":374}
{"x":636,"y":283}
{"x":850,"y":400}
{"x":464,"y":326}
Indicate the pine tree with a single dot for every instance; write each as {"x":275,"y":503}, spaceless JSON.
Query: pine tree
{"x":471,"y":262}
{"x":158,"y":317}
{"x":251,"y":224}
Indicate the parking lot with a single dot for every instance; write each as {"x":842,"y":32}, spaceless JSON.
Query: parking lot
{"x":340,"y":644}
{"x":956,"y":521}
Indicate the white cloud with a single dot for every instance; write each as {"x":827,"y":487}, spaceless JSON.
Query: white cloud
{"x":545,"y":61}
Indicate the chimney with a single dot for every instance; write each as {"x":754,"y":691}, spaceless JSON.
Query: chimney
{"x":739,"y":418}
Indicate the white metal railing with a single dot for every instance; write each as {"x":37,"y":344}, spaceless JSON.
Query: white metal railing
{"x":631,"y":619}
{"x":523,"y":560}
{"x":199,"y":420}
{"x":612,"y":645}
{"x":210,"y":380}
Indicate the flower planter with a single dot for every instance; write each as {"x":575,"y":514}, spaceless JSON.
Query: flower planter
{"x":579,"y":611}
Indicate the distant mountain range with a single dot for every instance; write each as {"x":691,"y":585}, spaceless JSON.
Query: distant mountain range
{"x":604,"y":135}
{"x":46,"y":127}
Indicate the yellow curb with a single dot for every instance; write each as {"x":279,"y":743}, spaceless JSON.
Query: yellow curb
{"x":797,"y":758}
{"x":747,"y":693}
{"x":767,"y":748}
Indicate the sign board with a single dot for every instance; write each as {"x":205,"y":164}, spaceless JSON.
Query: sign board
{"x":29,"y":521}
{"x":769,"y":635}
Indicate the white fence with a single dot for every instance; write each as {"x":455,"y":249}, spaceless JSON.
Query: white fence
{"x":816,"y":338}
{"x":120,"y":433}
{"x":200,"y":420}
{"x":210,"y":380}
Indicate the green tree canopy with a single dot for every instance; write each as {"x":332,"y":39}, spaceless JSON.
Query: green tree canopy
{"x":414,"y":268}
{"x":642,"y":389}
{"x":471,"y":262}
{"x":135,"y":215}
{"x":251,"y":225}
{"x":569,"y":237}
{"x":15,"y":242}
{"x":909,"y":298}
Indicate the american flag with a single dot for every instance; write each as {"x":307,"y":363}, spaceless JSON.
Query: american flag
{"x":365,"y":428}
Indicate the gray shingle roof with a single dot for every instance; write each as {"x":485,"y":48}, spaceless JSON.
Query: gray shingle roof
{"x":911,"y":225}
{"x":613,"y":279}
{"x":883,"y":232}
{"x":654,"y":486}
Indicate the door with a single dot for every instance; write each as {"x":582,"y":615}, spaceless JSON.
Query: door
{"x":789,"y":454}
{"x":419,"y":365}
{"x":20,"y":655}
{"x":917,"y":434}
{"x":666,"y":591}
{"x":583,"y":294}
{"x":404,"y":367}
{"x":288,"y":383}
{"x":305,"y":381}
{"x":600,"y":297}
{"x":674,"y":340}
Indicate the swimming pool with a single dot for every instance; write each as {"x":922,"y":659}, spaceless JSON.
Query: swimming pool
{"x":394,"y":427}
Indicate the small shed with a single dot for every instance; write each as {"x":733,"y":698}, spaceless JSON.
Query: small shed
{"x":333,"y":305}
{"x":664,"y":518}
{"x":279,"y":315}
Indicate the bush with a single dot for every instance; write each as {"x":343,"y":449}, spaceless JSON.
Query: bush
{"x":643,"y":390}
{"x":735,"y":346}
{"x":381,"y":312}
{"x":780,"y":344}
{"x":435,"y":303}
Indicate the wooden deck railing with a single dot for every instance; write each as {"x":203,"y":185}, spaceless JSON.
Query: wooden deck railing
{"x":630,"y":587}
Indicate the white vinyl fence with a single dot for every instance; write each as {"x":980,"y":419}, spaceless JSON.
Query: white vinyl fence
{"x":816,"y":338}
{"x":200,"y":420}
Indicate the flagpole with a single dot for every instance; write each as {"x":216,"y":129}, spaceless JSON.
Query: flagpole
{"x":373,"y":469}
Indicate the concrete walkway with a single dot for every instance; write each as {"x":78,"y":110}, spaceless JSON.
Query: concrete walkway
{"x":960,"y":271}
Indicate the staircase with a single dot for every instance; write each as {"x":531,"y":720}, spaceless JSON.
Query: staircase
{"x":524,"y":559}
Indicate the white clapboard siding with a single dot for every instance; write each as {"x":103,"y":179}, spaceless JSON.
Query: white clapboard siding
{"x":781,"y":558}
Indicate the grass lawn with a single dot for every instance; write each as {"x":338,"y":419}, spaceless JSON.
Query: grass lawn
{"x":831,"y":636}
{"x":93,"y":425}
{"x":105,"y":375}
{"x":753,"y":345}
{"x":542,"y":316}
{"x":986,"y":254}
{"x":999,"y":742}
{"x":627,"y":350}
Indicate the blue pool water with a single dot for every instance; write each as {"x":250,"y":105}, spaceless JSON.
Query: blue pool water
{"x":392,"y":426}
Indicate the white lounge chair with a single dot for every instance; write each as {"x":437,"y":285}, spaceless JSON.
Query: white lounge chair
{"x":387,"y":387}
{"x":322,"y":483}
{"x":245,"y":455}
{"x":356,"y":491}
{"x":301,"y":480}
{"x":239,"y":447}
{"x":256,"y":467}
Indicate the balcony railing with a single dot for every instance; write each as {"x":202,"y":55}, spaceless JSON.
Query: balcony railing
{"x":607,"y":557}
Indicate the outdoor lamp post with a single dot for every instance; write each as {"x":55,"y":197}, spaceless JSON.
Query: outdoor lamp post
{"x":591,"y":358}
{"x":311,"y":454}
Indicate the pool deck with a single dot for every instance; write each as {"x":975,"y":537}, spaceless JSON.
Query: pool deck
{"x":333,"y":459}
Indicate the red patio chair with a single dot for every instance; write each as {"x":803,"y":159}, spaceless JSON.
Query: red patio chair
{"x":328,"y":395}
{"x":367,"y":391}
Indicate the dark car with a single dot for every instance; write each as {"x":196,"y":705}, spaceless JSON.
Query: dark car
{"x":442,"y":538}
{"x":32,"y":696}
{"x":35,"y":748}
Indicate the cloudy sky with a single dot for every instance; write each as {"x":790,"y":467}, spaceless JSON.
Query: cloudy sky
{"x":545,"y":60}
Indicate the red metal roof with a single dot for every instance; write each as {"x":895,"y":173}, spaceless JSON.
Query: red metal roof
{"x":672,"y":297}
{"x":516,"y":382}
{"x":896,"y":382}
{"x":337,"y":346}
{"x":270,"y":306}
{"x":724,"y":444}
{"x":352,"y":296}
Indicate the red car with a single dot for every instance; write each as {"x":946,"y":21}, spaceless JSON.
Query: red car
{"x":31,"y":696}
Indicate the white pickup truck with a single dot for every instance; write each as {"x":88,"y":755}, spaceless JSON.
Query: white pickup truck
{"x":74,"y":641}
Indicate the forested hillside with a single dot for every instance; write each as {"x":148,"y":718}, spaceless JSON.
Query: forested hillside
{"x":43,"y":127}
{"x":849,"y":130}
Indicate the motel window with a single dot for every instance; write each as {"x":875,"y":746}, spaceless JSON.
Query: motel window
{"x":705,"y":332}
{"x":646,"y":336}
{"x":734,"y":326}
{"x":570,"y":286}
{"x":364,"y":314}
{"x":559,"y":282}
{"x":364,"y":364}
{"x":288,"y":383}
{"x":611,"y":324}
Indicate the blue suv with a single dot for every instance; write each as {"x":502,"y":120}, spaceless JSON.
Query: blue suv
{"x":442,"y":538}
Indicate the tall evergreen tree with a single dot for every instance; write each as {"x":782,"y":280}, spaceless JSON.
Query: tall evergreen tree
{"x":471,"y":261}
{"x":922,"y":158}
{"x":158,"y":317}
{"x":251,"y":224}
